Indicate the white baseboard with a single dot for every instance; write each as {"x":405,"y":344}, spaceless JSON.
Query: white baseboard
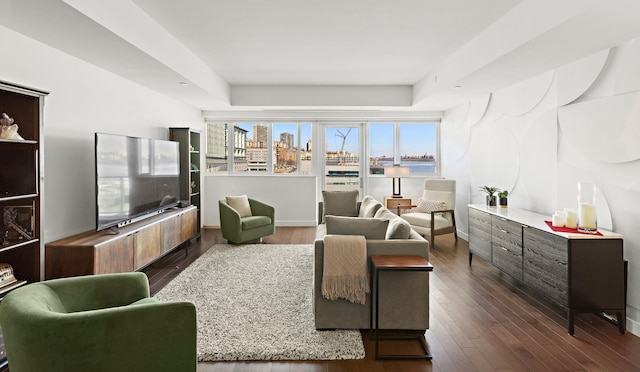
{"x":281,"y":224}
{"x":633,"y":327}
{"x":303,"y":223}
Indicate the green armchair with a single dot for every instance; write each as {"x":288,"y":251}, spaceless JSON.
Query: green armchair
{"x":238,"y":227}
{"x":97,"y":323}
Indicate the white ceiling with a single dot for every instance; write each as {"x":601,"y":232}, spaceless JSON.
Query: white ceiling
{"x":256,"y":54}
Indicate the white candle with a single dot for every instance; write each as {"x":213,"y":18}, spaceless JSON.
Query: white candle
{"x":587,"y":217}
{"x":572,"y":218}
{"x":558,"y":219}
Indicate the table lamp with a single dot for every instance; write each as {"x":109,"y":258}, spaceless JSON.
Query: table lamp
{"x":396,"y":172}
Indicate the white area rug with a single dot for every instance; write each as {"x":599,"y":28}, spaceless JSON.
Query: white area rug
{"x":254,"y":302}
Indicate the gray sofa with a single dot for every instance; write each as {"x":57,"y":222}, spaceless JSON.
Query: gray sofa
{"x":404,"y":296}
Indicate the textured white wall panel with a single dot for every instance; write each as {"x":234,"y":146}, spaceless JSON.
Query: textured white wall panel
{"x":605,"y":82}
{"x":586,"y":124}
{"x":520,"y":98}
{"x":538,"y":164}
{"x":457,"y":117}
{"x":477,"y":109}
{"x":575,"y":78}
{"x":494,"y":156}
{"x":454,"y":145}
{"x":627,"y":78}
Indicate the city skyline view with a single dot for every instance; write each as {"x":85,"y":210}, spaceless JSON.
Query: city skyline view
{"x":415,"y":140}
{"x":272,"y":147}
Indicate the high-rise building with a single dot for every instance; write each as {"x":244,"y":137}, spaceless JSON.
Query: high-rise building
{"x":287,"y":139}
{"x":260,"y":133}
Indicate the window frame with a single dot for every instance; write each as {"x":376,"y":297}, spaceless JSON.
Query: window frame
{"x":315,"y":127}
{"x":397,"y":156}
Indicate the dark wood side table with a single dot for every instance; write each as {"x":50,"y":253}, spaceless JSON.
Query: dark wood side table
{"x":396,"y":263}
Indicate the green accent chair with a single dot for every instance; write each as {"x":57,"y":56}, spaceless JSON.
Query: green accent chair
{"x":97,"y":323}
{"x":249,"y":229}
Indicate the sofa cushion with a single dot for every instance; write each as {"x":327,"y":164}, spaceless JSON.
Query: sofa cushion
{"x":369,"y":206}
{"x":370,"y":228}
{"x":251,"y":222}
{"x":340,"y":203}
{"x":240,"y":204}
{"x":424,"y":220}
{"x":398,"y":229}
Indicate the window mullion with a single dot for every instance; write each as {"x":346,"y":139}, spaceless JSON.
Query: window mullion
{"x":396,"y":143}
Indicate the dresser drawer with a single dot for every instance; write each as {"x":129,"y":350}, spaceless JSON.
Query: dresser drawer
{"x":546,"y":264}
{"x":480,"y":234}
{"x":507,"y":246}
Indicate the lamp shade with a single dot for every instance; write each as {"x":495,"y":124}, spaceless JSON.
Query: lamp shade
{"x":397,"y":171}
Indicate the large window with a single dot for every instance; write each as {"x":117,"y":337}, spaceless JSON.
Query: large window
{"x":292,"y":148}
{"x":412,"y":144}
{"x":286,"y":147}
{"x":259,"y":147}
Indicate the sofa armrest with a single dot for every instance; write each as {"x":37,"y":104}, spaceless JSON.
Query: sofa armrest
{"x":230,"y":222}
{"x":259,"y":208}
{"x":147,"y":337}
{"x":381,"y":247}
{"x":449,"y":214}
{"x":99,"y":291}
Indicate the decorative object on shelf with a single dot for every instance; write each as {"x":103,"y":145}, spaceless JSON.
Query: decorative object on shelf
{"x":559,"y":219}
{"x":502,"y":198}
{"x":192,"y":185}
{"x":572,"y":218}
{"x":7,"y":278}
{"x":491,"y":197}
{"x":569,"y":230}
{"x":194,"y":167}
{"x":587,"y":217}
{"x":396,"y":172}
{"x":18,"y":223}
{"x":8,"y":130}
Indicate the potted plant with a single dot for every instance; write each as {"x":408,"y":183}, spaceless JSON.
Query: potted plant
{"x":502,"y":198}
{"x":491,"y":197}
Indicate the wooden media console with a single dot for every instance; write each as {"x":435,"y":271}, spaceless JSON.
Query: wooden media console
{"x":134,"y":247}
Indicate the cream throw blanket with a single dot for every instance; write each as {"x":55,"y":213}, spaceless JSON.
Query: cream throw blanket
{"x":345,"y":268}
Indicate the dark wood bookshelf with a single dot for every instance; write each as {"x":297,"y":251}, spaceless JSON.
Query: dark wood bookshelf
{"x":20,"y":189}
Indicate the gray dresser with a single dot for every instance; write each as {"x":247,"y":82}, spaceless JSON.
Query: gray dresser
{"x":580,"y":272}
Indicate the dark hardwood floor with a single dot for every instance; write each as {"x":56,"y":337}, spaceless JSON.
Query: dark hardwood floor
{"x":480,"y":320}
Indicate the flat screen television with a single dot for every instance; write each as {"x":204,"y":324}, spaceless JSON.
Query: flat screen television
{"x":135,"y":178}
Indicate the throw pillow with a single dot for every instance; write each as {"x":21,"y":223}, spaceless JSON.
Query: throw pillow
{"x":364,"y":204}
{"x":428,"y":206}
{"x":340,"y":203}
{"x":385,"y":213}
{"x":446,"y":196}
{"x":240,"y":204}
{"x":370,"y":228}
{"x":369,"y":209}
{"x":398,"y":229}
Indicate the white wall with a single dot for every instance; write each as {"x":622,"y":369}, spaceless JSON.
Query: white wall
{"x":294,"y":198}
{"x":83,"y":99}
{"x":540,"y":137}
